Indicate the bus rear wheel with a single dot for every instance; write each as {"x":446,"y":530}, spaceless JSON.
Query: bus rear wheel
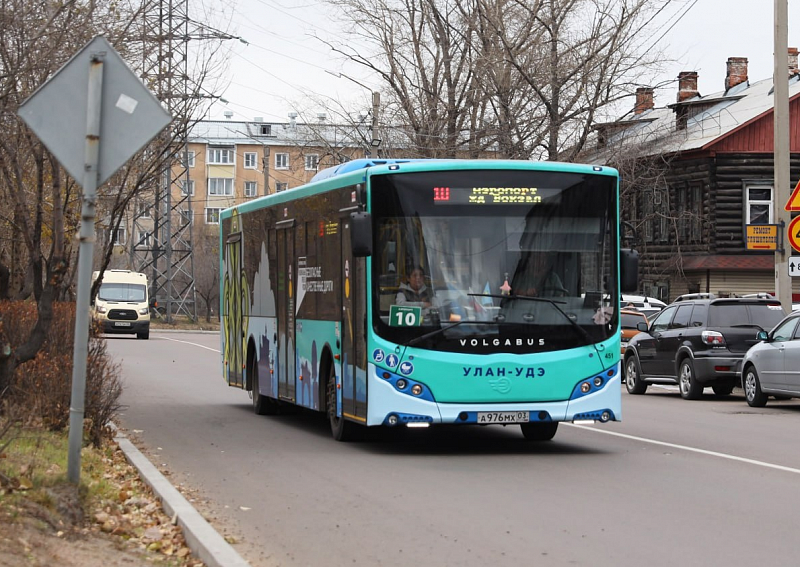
{"x":539,"y":430}
{"x":341,"y":429}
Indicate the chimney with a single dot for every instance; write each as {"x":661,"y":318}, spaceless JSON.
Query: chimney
{"x":687,"y":85}
{"x":737,"y":72}
{"x":228,"y":114}
{"x":644,"y":100}
{"x":793,"y":70}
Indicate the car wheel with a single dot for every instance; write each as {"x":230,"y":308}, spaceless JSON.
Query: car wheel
{"x":690,"y":388}
{"x":633,"y":376}
{"x":752,"y":388}
{"x":722,"y":389}
{"x":539,"y":430}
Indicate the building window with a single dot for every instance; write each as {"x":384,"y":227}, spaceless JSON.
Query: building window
{"x":212,"y":215}
{"x":187,"y":187}
{"x":220,"y":186}
{"x":758,"y":204}
{"x":250,"y":188}
{"x":118,"y":236}
{"x":250,"y":160}
{"x":186,"y":216}
{"x":265,"y":129}
{"x":281,"y":186}
{"x":281,"y":161}
{"x":187,"y":159}
{"x":690,"y":212}
{"x":143,"y":238}
{"x":312,"y":162}
{"x":220,"y":156}
{"x":143,"y":209}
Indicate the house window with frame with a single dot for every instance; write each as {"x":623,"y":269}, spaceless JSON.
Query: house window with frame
{"x":312,"y":162}
{"x":185,"y":216}
{"x":280,"y":186}
{"x":689,"y":207}
{"x":143,"y":238}
{"x":118,"y":236}
{"x":250,"y":160}
{"x":187,"y":158}
{"x":758,"y":208}
{"x":220,"y":156}
{"x":250,"y":188}
{"x":212,"y":215}
{"x":220,"y":186}
{"x":143,"y":209}
{"x":187,"y":187}
{"x":281,"y":161}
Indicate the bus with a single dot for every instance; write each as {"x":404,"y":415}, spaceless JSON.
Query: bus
{"x":312,"y":281}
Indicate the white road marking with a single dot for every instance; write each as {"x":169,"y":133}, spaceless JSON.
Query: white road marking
{"x":189,"y":343}
{"x":691,"y":449}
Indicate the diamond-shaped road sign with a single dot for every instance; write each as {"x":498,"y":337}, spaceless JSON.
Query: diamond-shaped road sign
{"x":130,"y":115}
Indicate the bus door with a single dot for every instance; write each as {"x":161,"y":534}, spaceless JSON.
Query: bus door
{"x":285,"y":309}
{"x":234,"y":306}
{"x":354,"y":400}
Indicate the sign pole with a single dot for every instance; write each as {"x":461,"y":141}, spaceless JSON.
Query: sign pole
{"x":85,"y":254}
{"x":782,"y":183}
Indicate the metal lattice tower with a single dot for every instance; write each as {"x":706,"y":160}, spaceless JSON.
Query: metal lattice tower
{"x":161,"y":243}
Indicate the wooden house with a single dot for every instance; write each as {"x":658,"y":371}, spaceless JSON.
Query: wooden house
{"x":694,"y":174}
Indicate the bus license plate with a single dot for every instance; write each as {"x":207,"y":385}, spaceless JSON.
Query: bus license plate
{"x":503,"y":417}
{"x":122,"y":324}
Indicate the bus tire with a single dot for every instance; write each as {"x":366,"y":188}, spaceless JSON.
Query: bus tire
{"x":341,"y":429}
{"x":539,"y":430}
{"x":262,"y":405}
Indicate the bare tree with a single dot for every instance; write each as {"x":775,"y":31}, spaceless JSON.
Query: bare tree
{"x":527,"y":78}
{"x":206,"y":273}
{"x":37,"y":228}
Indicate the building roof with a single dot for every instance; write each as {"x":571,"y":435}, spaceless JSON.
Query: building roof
{"x":742,"y":262}
{"x":711,"y":118}
{"x":229,"y":132}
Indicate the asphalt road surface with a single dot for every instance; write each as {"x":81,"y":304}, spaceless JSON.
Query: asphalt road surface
{"x":706,"y":483}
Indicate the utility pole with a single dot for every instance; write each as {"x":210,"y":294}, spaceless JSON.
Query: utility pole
{"x":783,"y":282}
{"x":167,"y":255}
{"x":376,"y":106}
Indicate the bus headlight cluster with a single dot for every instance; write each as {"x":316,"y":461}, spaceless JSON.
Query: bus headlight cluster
{"x":401,"y":384}
{"x":416,"y":389}
{"x":585,"y":387}
{"x":598,"y":381}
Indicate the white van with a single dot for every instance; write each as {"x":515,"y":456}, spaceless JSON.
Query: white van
{"x":647,"y":305}
{"x":122,"y":304}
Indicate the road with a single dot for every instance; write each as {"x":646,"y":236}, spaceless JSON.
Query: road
{"x":712,"y":482}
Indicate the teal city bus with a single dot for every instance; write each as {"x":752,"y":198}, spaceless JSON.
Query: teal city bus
{"x":519,"y":262}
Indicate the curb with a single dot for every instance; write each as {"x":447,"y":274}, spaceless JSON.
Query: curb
{"x":204,"y":541}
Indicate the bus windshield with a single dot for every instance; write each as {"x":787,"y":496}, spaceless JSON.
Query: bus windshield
{"x":494,"y":260}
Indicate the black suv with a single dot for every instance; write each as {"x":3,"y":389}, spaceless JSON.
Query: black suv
{"x":697,"y":343}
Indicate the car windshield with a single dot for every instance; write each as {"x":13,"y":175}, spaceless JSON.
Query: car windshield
{"x":122,"y":292}
{"x":455,"y":247}
{"x":764,"y":315}
{"x":630,"y":320}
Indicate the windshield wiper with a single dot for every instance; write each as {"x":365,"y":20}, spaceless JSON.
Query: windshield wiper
{"x":552,"y":302}
{"x":435,"y":332}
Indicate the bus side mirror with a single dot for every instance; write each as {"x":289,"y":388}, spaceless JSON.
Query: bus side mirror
{"x":628,"y":270}
{"x":361,"y":234}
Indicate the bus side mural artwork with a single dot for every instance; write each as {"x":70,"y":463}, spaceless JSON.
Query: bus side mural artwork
{"x":417,"y":293}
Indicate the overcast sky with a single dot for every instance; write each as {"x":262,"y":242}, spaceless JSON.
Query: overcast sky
{"x":284,"y":64}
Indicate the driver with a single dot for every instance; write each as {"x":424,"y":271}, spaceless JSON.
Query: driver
{"x":415,"y":292}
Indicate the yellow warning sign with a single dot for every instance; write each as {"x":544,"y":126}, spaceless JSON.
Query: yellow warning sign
{"x":793,"y":204}
{"x":762,"y":236}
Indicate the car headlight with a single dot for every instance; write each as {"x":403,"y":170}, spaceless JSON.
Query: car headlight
{"x":144,"y":311}
{"x":101,"y":309}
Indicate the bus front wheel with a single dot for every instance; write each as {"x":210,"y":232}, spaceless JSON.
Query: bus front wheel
{"x":341,"y":429}
{"x":539,"y":430}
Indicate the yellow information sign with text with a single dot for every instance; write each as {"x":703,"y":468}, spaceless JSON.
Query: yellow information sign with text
{"x":762,"y":236}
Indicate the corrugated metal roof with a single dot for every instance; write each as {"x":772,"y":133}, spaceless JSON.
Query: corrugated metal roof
{"x":726,"y":112}
{"x":228,"y":132}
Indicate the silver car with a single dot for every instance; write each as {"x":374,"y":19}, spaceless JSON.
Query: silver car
{"x":772,"y":367}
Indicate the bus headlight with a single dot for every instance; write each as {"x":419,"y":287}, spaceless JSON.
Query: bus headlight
{"x":598,"y":381}
{"x":416,"y":389}
{"x":401,"y":384}
{"x":585,"y":387}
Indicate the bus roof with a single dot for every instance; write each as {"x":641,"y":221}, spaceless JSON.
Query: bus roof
{"x":356,"y":171}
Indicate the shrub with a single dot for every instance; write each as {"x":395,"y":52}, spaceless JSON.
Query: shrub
{"x":41,"y":389}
